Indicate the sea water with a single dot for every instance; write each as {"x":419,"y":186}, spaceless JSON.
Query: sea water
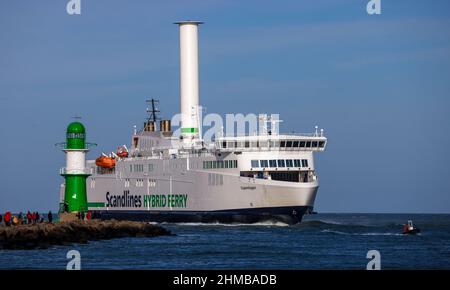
{"x":322,"y":241}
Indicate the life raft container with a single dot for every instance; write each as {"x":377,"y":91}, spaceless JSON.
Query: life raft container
{"x":122,"y":152}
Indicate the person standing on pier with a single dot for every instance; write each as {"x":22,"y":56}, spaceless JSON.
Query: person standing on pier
{"x":29,"y":217}
{"x":50,"y":217}
{"x":7,"y":218}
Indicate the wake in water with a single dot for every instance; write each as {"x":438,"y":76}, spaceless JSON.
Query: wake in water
{"x":320,"y":224}
{"x":353,"y":227}
{"x":327,"y":226}
{"x":361,"y":234}
{"x":259,"y":224}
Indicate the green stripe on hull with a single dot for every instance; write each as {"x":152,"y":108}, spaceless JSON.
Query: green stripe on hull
{"x":96,"y":204}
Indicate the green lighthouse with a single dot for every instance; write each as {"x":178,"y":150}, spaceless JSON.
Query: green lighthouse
{"x":75,"y":172}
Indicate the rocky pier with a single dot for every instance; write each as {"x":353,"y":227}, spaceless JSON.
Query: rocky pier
{"x":44,"y":235}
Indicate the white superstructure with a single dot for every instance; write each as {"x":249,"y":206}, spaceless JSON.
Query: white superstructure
{"x":261,"y":176}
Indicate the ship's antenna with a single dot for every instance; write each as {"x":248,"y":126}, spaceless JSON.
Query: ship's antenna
{"x":153,"y":111}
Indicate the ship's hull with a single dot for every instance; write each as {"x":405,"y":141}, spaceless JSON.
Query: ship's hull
{"x":196,"y":195}
{"x":289,"y":215}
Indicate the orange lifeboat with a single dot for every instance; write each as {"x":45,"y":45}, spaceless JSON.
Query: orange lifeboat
{"x":105,"y":162}
{"x":122,"y":152}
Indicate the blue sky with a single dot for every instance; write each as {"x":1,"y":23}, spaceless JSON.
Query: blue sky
{"x":379,"y":85}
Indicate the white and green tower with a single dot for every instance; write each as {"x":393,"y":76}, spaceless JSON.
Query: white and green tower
{"x":75,"y":172}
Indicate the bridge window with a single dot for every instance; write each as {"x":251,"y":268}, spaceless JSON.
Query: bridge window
{"x":314,"y":144}
{"x":302,"y":144}
{"x":297,"y":163}
{"x":321,"y":144}
{"x":247,"y":144}
{"x":255,"y":163}
{"x":308,"y":144}
{"x":283,"y":144}
{"x":289,"y":163}
{"x":295,"y":144}
{"x":288,"y":144}
{"x":264,"y":163}
{"x":273,"y":163}
{"x":281,"y":163}
{"x":304,"y":163}
{"x":224,"y":144}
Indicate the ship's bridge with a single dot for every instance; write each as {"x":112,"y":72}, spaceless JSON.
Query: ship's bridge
{"x":287,"y":142}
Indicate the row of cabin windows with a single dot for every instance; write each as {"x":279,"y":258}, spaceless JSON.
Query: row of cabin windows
{"x":177,"y":165}
{"x":215,"y":179}
{"x":139,"y":182}
{"x":281,"y":144}
{"x":280,"y":163}
{"x":140,"y":167}
{"x":136,"y":167}
{"x":151,"y":167}
{"x":220,"y":164}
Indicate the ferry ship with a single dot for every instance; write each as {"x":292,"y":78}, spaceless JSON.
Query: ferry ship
{"x":162,"y":177}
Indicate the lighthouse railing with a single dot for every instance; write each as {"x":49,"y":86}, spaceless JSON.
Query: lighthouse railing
{"x":64,"y":170}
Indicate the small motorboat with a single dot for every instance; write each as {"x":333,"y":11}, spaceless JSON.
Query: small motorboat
{"x":410,"y":229}
{"x":105,"y":161}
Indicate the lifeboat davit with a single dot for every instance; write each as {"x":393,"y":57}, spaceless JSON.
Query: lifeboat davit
{"x":122,"y":151}
{"x":105,"y":162}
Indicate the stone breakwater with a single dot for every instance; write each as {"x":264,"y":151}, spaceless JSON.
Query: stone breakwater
{"x":41,"y":236}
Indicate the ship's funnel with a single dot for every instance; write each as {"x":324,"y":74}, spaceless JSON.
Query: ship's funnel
{"x":189,"y":92}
